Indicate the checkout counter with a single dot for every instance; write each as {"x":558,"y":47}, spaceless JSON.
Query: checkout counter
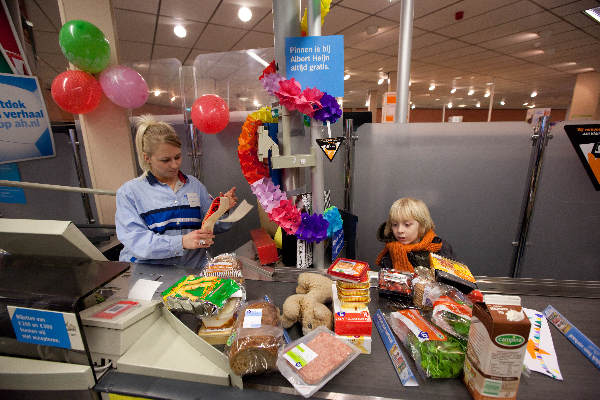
{"x":153,"y":353}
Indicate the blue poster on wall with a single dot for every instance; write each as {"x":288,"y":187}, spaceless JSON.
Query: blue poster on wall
{"x":9,"y":194}
{"x":316,"y":62}
{"x":24,"y":125}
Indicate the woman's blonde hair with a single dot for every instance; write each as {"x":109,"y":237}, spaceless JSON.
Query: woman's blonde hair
{"x":150,"y":133}
{"x":409,"y":208}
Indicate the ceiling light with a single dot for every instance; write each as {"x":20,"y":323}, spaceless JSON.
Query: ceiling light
{"x":432,"y":86}
{"x":525,"y":104}
{"x":580,"y":70}
{"x":450,"y":105}
{"x":180,"y":31}
{"x":29,"y":23}
{"x":489,"y":83}
{"x":462,"y":105}
{"x":531,"y":106}
{"x":533,"y":94}
{"x":478,"y":104}
{"x":380,"y":81}
{"x":502,"y":102}
{"x":412,"y":107}
{"x":564,"y":64}
{"x":256,"y":103}
{"x":257,"y":58}
{"x":173,"y":99}
{"x":437,"y":99}
{"x":530,"y":53}
{"x":243,"y":98}
{"x":409,"y":83}
{"x":346,"y":77}
{"x":487,"y":93}
{"x":453,"y":90}
{"x":244,"y":14}
{"x":593,"y":13}
{"x":470,"y":92}
{"x":157,"y":92}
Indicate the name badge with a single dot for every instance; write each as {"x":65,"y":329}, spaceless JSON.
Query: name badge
{"x":193,"y":199}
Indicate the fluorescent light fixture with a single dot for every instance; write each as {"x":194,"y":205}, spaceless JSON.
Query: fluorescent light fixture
{"x":531,"y":106}
{"x":564,"y":64}
{"x":525,"y":104}
{"x":256,"y":103}
{"x":533,"y":94}
{"x":173,"y":99}
{"x":487,"y":93}
{"x":432,"y":86}
{"x":449,"y":105}
{"x":462,"y":105}
{"x":593,"y":13}
{"x":502,"y":102}
{"x":453,"y":90}
{"x":388,"y":79}
{"x":180,"y":31}
{"x":244,"y":14}
{"x":157,"y":92}
{"x":581,"y":70}
{"x":412,"y":107}
{"x":257,"y":58}
{"x":380,"y":81}
{"x":470,"y":92}
{"x":346,"y":77}
{"x":409,"y":83}
{"x":478,"y":104}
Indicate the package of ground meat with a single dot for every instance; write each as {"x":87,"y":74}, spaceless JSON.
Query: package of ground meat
{"x":311,"y":361}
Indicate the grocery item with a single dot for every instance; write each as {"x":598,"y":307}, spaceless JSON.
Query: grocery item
{"x":200,"y":295}
{"x":496,"y":348}
{"x":349,"y":270}
{"x":224,"y":265}
{"x":363,"y":284}
{"x":452,"y":273}
{"x":362,"y":342}
{"x":452,"y":316}
{"x":436,"y":354}
{"x":395,"y":284}
{"x":353,"y":292}
{"x":311,"y":361}
{"x":224,"y":318}
{"x":352,"y":320}
{"x":256,"y":338}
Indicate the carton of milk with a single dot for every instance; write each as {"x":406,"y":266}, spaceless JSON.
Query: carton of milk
{"x":496,"y":348}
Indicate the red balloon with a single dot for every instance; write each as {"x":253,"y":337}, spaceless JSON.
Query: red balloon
{"x":210,"y":113}
{"x":76,"y":91}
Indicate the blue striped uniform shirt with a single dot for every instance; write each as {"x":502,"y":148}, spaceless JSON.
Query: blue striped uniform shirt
{"x":151,"y":219}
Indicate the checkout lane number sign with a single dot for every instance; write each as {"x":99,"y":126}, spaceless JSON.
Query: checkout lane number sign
{"x":48,"y":328}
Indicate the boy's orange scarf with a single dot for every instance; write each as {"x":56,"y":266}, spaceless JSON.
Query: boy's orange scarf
{"x":399,"y":252}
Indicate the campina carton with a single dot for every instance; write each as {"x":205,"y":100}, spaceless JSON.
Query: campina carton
{"x":496,"y":348}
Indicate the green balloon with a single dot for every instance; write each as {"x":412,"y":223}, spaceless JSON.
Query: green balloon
{"x":84,"y":45}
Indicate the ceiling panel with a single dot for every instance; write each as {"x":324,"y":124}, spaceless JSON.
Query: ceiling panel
{"x":186,"y":9}
{"x":219,"y":38}
{"x":385,"y":39}
{"x":161,"y":52}
{"x":39,"y":19}
{"x":47,"y":42}
{"x":134,"y":51}
{"x":350,"y":53}
{"x":579,"y":20}
{"x":166,"y":36}
{"x":147,"y":6}
{"x":446,"y":16}
{"x":530,"y":24}
{"x":370,"y":7}
{"x":226,"y":15}
{"x":140,"y":31}
{"x":427,"y":39}
{"x":433,"y":51}
{"x":344,"y":18}
{"x":574,"y":7}
{"x":254,"y":40}
{"x":266,"y":24}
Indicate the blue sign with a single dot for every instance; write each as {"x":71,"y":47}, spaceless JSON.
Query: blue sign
{"x":337,"y":243}
{"x":48,"y":328}
{"x":9,"y":194}
{"x":24,"y":125}
{"x":316,"y":62}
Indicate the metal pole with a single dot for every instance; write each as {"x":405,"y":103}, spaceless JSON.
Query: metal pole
{"x":286,"y":23}
{"x":540,"y":141}
{"x":316,"y":172}
{"x":350,"y":138}
{"x":491,"y":104}
{"x":404,"y":50}
{"x":31,"y":185}
{"x":81,"y":176}
{"x":444,"y":112}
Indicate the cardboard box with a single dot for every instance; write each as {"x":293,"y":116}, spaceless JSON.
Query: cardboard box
{"x":496,"y":348}
{"x":350,"y":323}
{"x":362,"y":342}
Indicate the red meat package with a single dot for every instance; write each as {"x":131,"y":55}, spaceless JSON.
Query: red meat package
{"x":311,"y":361}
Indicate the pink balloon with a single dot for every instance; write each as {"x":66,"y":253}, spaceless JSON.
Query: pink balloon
{"x":124,"y":86}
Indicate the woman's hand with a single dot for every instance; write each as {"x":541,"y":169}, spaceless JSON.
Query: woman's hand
{"x":198,"y":239}
{"x":232,"y":197}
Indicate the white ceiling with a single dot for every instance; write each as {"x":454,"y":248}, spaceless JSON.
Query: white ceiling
{"x":519,"y":45}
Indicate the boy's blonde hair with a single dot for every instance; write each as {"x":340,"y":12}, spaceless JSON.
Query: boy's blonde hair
{"x":150,"y":133}
{"x":409,"y":208}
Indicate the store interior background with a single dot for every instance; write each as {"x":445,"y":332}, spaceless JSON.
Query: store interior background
{"x":473,"y":174}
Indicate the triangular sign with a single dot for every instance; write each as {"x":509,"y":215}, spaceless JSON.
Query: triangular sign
{"x":330,"y":146}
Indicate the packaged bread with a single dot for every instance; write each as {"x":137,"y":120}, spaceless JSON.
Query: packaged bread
{"x":256,"y":338}
{"x":311,"y":361}
{"x":225,"y":317}
{"x":225,"y":265}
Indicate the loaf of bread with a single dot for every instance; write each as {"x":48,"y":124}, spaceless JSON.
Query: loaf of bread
{"x":256,"y":339}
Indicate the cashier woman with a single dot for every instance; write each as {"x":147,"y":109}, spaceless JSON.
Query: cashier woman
{"x":159,"y":214}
